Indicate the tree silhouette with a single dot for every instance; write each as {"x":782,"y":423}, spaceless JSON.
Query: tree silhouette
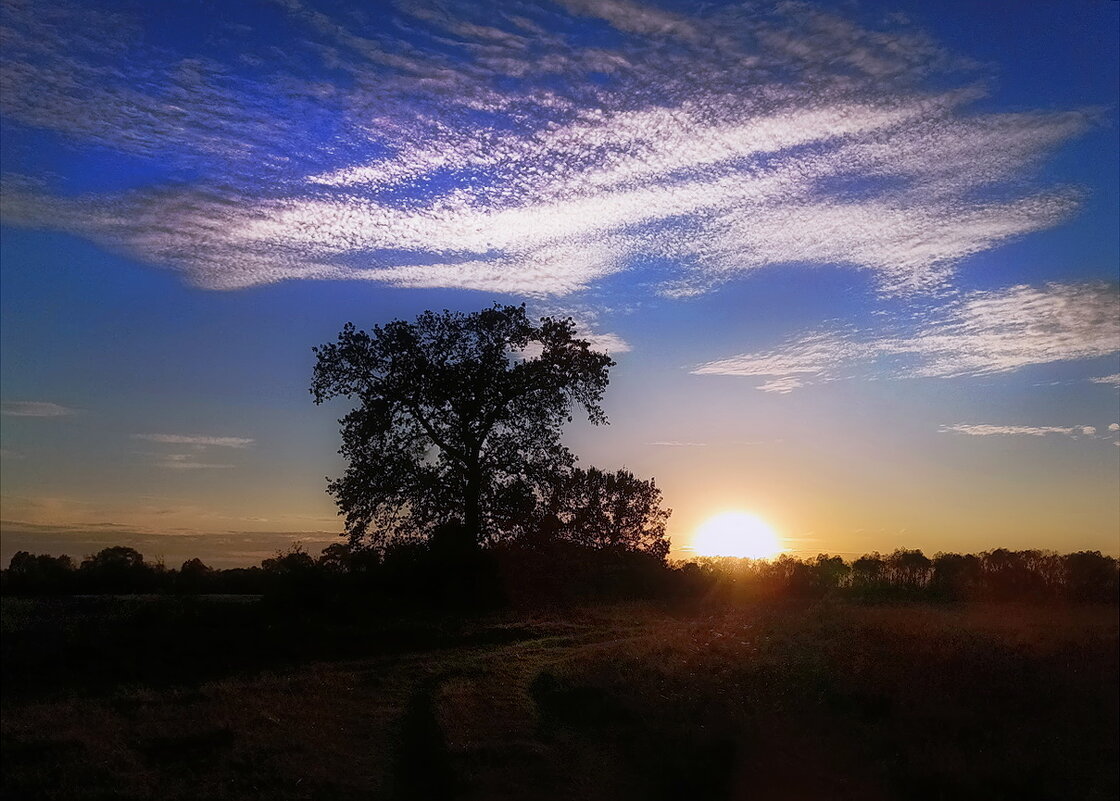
{"x":610,"y":510}
{"x":194,"y":575}
{"x":39,"y":572}
{"x":909,"y":569}
{"x":1091,"y":576}
{"x":293,"y":560}
{"x":455,"y":419}
{"x":868,"y":570}
{"x":956,"y":577}
{"x":118,"y":569}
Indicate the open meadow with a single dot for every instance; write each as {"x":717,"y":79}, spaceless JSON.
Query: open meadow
{"x":224,"y":698}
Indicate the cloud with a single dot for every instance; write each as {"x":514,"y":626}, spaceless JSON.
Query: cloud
{"x":608,"y":342}
{"x":199,"y":444}
{"x":198,"y":441}
{"x":588,"y":325}
{"x":1112,"y":380}
{"x":35,"y":409}
{"x":813,"y":355}
{"x":981,"y":333}
{"x":985,"y":430}
{"x":783,"y":385}
{"x":1114,"y":427}
{"x":637,"y":18}
{"x":678,"y":444}
{"x":183,"y":461}
{"x":501,"y":152}
{"x":1003,"y":330}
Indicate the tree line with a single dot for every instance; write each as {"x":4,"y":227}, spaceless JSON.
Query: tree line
{"x":995,"y":575}
{"x":441,"y":573}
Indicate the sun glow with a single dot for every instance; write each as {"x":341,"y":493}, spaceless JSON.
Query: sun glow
{"x":736,"y":534}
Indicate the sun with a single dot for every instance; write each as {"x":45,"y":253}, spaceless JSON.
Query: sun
{"x":736,"y":534}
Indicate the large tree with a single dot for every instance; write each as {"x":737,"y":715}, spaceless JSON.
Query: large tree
{"x":458,"y":417}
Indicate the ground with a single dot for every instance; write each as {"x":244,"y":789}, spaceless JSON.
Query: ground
{"x":228,"y":699}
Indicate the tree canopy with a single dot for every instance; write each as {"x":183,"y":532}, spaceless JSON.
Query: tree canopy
{"x":458,"y":417}
{"x":609,"y":510}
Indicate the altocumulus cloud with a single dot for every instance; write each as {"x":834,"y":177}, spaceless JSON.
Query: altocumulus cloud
{"x":35,"y":409}
{"x":185,"y":461}
{"x":489,"y":147}
{"x":980,"y":333}
{"x":196,"y":440}
{"x":199,"y":444}
{"x":986,"y":430}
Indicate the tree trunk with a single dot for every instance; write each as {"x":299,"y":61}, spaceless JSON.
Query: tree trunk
{"x":472,"y":503}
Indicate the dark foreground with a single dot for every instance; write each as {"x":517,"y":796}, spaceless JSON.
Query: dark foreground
{"x":231,"y":699}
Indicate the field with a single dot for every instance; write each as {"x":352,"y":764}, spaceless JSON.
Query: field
{"x":231,"y":699}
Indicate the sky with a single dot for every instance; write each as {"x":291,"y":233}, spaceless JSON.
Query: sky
{"x":857,"y":262}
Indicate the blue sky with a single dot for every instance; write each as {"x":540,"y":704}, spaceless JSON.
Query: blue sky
{"x":857,"y":262}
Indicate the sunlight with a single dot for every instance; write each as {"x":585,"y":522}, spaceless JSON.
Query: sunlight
{"x":736,"y":534}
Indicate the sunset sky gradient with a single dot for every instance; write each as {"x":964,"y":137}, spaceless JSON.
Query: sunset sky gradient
{"x":857,"y":262}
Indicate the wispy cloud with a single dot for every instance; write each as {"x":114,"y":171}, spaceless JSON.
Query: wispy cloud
{"x":35,"y":409}
{"x":981,"y":333}
{"x":495,"y":152}
{"x":1112,"y":380}
{"x":184,"y":461}
{"x":814,"y":355}
{"x":998,"y":331}
{"x":987,"y":430}
{"x":674,"y":443}
{"x":196,"y":440}
{"x":199,"y":445}
{"x":782,"y":386}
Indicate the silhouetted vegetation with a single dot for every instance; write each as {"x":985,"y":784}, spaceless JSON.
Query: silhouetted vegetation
{"x":456,"y":420}
{"x":909,"y":575}
{"x":580,"y":564}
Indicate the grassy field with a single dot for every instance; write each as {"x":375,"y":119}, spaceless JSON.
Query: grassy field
{"x":221,"y":699}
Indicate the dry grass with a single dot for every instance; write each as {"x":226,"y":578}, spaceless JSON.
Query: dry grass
{"x":762,"y":702}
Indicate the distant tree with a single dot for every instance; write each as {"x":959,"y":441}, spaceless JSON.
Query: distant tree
{"x":1014,"y":574}
{"x":293,"y":560}
{"x":117,"y":569}
{"x":830,"y":572}
{"x":956,"y":577}
{"x":868,"y":571}
{"x":292,"y":578}
{"x":38,"y":573}
{"x":194,"y":576}
{"x":909,"y":570}
{"x":118,"y":557}
{"x":610,"y":510}
{"x":195,"y":567}
{"x":458,"y":417}
{"x":335,"y":558}
{"x":795,"y":577}
{"x":341,"y":558}
{"x":1090,"y":576}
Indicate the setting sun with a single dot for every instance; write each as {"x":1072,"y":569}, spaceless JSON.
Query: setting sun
{"x":736,"y":534}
